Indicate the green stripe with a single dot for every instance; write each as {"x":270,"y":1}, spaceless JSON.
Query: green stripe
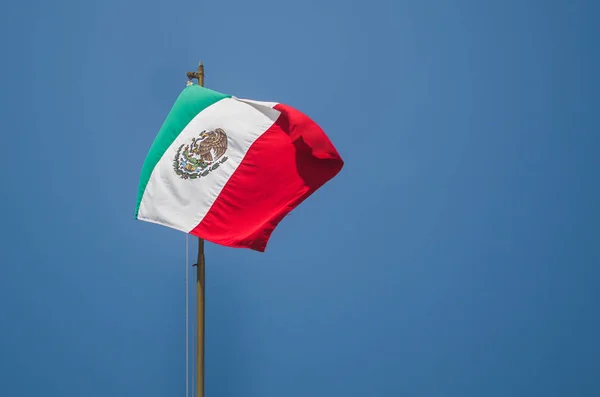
{"x":192,"y":100}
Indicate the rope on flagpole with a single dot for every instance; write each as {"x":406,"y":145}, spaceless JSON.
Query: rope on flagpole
{"x":187,"y":315}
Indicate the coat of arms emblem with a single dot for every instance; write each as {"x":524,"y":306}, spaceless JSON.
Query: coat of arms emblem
{"x":202,"y":155}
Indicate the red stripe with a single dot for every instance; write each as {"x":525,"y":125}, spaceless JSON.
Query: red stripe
{"x":282,"y":168}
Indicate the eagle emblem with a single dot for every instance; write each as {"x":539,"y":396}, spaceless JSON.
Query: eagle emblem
{"x":205,"y":153}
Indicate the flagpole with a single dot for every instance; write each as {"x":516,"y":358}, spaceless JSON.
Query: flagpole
{"x":200,"y":283}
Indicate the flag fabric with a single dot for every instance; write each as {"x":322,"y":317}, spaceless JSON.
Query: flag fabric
{"x":228,"y":170}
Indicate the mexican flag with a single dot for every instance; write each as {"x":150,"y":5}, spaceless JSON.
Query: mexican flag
{"x":228,"y":170}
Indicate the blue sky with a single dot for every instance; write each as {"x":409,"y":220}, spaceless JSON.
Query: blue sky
{"x":456,"y":254}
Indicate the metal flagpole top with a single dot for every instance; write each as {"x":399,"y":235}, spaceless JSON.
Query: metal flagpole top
{"x":199,"y":75}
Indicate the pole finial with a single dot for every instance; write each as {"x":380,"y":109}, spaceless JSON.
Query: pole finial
{"x":199,"y":75}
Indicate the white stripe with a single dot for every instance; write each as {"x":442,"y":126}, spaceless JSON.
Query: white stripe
{"x":182,"y":203}
{"x":262,"y":103}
